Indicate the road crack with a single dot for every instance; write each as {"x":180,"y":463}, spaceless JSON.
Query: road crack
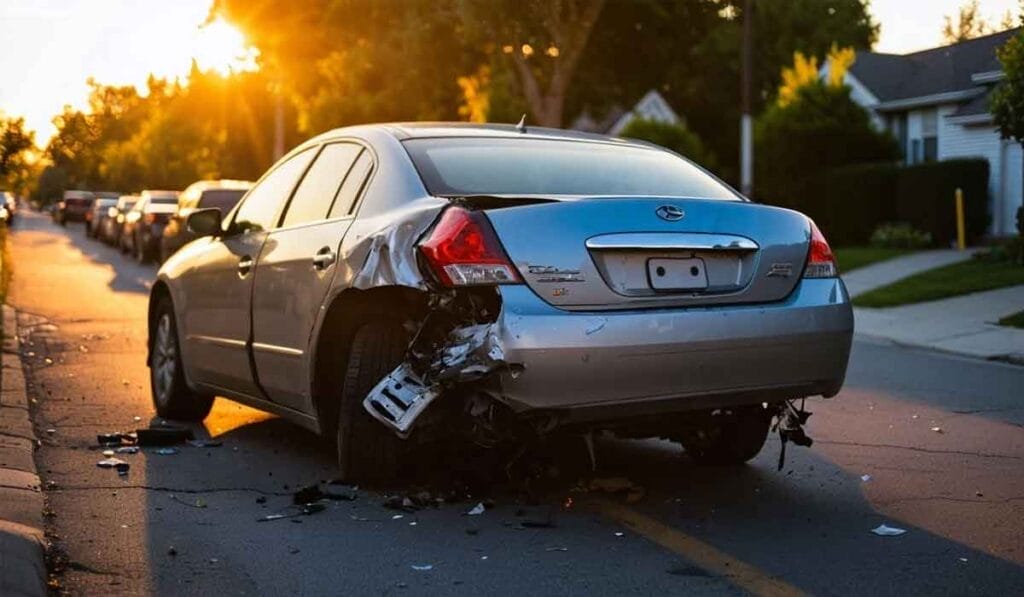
{"x":917,"y":449}
{"x":163,"y":489}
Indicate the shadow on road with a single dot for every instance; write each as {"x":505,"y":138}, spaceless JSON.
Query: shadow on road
{"x":128,"y":276}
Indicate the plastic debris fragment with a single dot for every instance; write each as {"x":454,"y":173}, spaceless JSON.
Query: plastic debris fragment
{"x":476,"y":510}
{"x":883,"y":530}
{"x":422,"y":567}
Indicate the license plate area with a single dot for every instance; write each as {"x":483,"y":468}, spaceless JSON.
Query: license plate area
{"x":677,"y":274}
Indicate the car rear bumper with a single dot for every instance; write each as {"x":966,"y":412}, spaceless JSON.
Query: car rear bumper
{"x":614,"y":364}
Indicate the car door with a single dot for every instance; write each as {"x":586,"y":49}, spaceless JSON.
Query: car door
{"x":295,"y":269}
{"x":218,"y":285}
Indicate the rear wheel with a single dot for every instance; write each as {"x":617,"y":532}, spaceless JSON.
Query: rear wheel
{"x":172,"y":397}
{"x":728,"y":436}
{"x":367,"y":451}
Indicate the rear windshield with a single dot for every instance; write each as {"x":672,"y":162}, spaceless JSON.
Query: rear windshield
{"x":499,"y":166}
{"x":173,"y":200}
{"x":224,"y":199}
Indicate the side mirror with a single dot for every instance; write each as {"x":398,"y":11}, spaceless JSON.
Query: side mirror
{"x":204,"y":222}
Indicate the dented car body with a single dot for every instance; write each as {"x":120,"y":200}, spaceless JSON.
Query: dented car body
{"x":545,"y":280}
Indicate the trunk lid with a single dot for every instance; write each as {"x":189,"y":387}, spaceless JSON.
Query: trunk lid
{"x":619,"y":253}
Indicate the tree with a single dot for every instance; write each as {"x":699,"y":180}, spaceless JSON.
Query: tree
{"x":1007,"y":100}
{"x":816,"y":129}
{"x":969,"y":24}
{"x":543,"y":40}
{"x":15,"y":143}
{"x":676,"y":137}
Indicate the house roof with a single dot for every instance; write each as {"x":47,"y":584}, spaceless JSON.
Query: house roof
{"x":975,"y":107}
{"x":930,"y":72}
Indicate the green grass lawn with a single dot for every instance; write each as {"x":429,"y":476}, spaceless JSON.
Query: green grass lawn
{"x":943,"y":282}
{"x":850,"y":258}
{"x":1015,"y":321}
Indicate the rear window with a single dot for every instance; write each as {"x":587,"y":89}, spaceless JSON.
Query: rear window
{"x":164,"y":200}
{"x":223,"y":199}
{"x":501,"y":166}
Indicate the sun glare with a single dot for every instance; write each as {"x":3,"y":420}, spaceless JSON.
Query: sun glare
{"x":220,"y":46}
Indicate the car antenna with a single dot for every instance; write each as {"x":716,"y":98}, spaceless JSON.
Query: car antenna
{"x":521,"y":127}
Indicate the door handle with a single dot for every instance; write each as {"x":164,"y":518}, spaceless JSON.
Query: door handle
{"x":244,"y":265}
{"x":324,"y":258}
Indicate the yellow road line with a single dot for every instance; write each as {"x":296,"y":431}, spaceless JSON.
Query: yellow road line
{"x":700,"y":553}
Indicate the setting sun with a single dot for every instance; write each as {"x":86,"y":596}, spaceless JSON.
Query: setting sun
{"x":220,"y":46}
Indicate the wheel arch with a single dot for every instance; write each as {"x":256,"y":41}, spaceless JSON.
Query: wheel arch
{"x":343,"y":316}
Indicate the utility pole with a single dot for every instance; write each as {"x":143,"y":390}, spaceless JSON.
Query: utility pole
{"x":746,"y":86}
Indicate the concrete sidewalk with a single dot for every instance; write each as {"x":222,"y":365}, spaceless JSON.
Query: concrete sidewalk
{"x":964,"y":324}
{"x":881,"y":274}
{"x":22,"y":564}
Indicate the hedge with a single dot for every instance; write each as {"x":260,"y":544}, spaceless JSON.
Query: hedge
{"x":848,"y":203}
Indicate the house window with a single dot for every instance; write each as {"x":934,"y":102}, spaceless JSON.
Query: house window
{"x":930,"y":135}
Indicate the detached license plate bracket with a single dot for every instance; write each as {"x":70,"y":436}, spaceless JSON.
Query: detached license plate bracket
{"x":667,"y":275}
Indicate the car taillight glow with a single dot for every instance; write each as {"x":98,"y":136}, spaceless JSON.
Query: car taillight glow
{"x":463,"y":250}
{"x":820,"y":261}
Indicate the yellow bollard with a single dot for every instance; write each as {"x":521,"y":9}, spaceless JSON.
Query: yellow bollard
{"x":961,"y":233}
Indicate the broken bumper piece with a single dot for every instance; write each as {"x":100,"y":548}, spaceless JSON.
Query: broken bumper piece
{"x":399,"y":398}
{"x":469,"y":354}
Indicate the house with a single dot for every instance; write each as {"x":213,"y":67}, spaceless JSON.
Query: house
{"x":652,"y":106}
{"x":935,"y":102}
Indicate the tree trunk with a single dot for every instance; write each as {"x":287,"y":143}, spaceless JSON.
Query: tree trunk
{"x":569,"y":33}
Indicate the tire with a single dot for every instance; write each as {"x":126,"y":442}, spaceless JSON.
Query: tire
{"x":368,"y":451}
{"x":172,"y":397}
{"x":730,"y":438}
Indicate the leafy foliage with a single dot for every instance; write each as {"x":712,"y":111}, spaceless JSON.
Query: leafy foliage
{"x":1007,"y":100}
{"x":819,"y":129}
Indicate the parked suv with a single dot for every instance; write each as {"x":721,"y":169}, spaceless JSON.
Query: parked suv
{"x":395,"y":285}
{"x":144,"y":224}
{"x":221,"y":194}
{"x":73,"y":207}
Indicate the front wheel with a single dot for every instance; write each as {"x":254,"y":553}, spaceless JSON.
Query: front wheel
{"x":172,"y":397}
{"x":728,"y":436}
{"x":367,"y":451}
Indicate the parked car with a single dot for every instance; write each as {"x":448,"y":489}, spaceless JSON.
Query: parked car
{"x":8,"y":207}
{"x":110,"y":231}
{"x":73,"y":207}
{"x":98,"y":212}
{"x":222,"y":194}
{"x":394,"y":285}
{"x":144,"y":224}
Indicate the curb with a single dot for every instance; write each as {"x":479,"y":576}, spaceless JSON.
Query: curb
{"x":1007,"y":359}
{"x":22,"y":552}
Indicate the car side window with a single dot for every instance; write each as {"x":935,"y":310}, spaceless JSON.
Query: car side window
{"x":261,"y":206}
{"x":312,"y":199}
{"x":352,"y":186}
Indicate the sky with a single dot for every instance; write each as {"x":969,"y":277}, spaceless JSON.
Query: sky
{"x":50,"y":47}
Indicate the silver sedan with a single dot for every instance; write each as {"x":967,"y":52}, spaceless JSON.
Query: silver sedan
{"x":396,"y":285}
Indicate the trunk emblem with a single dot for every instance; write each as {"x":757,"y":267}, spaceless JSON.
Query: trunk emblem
{"x":670,"y":213}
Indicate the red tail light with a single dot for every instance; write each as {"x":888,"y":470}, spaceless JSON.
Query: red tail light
{"x":463,"y":250}
{"x":820,"y":261}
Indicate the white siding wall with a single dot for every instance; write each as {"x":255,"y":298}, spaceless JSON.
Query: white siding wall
{"x":957,"y":141}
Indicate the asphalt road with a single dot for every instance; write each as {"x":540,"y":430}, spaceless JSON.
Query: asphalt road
{"x":958,"y":492}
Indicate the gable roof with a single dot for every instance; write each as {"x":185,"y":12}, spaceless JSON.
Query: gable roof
{"x":936,"y":71}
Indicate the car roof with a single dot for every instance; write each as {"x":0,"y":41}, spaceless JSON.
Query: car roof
{"x":206,"y":185}
{"x":423,"y":130}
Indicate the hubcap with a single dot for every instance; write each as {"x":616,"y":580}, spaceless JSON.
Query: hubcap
{"x":165,"y":358}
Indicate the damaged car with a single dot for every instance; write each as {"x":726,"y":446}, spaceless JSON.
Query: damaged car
{"x":395,"y":285}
